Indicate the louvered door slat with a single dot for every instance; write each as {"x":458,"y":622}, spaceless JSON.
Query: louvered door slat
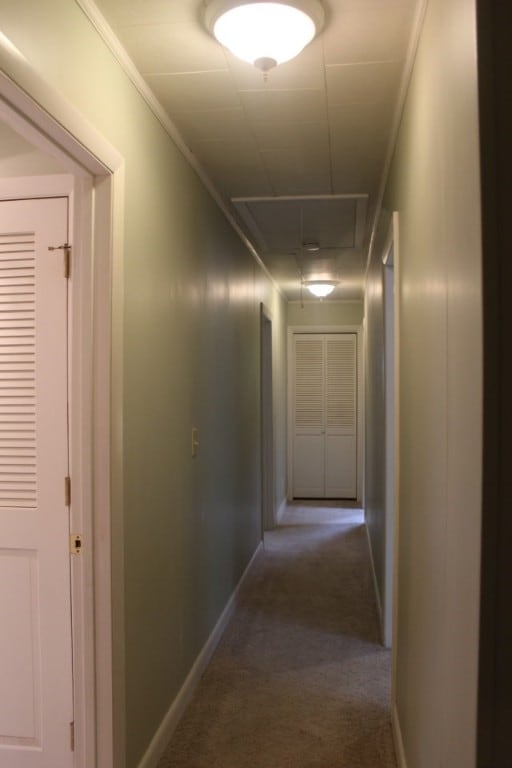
{"x":341,"y":383}
{"x":18,"y":487}
{"x":341,"y":421}
{"x":309,"y":383}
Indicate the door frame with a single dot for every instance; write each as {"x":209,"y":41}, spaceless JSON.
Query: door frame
{"x":389,"y":482}
{"x":320,"y":330}
{"x":39,"y":113}
{"x":268,"y":504}
{"x":391,"y":287}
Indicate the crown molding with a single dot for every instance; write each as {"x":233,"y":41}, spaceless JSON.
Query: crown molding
{"x":121,"y":55}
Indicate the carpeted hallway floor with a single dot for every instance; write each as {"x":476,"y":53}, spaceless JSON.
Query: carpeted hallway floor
{"x":299,"y":679}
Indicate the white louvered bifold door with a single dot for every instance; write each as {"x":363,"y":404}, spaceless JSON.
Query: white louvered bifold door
{"x":309,"y":417}
{"x":36,"y":704}
{"x":325,"y":416}
{"x":341,"y":416}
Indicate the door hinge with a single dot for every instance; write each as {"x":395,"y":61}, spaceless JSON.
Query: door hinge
{"x":66,"y":248}
{"x":72,"y":736}
{"x":67,"y":491}
{"x":75,"y":544}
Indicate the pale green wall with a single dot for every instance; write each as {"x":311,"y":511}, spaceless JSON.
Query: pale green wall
{"x":192,"y":354}
{"x":325,"y":313}
{"x":434,"y":185}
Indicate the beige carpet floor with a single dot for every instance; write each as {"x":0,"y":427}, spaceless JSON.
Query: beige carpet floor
{"x":299,"y":679}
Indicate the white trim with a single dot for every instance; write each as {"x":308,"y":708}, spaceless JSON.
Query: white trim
{"x":380,"y":614}
{"x":120,"y":54}
{"x":175,"y":712}
{"x":320,"y":329}
{"x":389,"y":449}
{"x":364,"y":364}
{"x":40,"y":113}
{"x":81,"y":469}
{"x":397,"y":738}
{"x":281,"y":511}
{"x":268,"y":449}
{"x":325,"y":301}
{"x":281,"y":198}
{"x":59,"y":122}
{"x":390,"y":260}
{"x":108,"y":468}
{"x":395,"y":224}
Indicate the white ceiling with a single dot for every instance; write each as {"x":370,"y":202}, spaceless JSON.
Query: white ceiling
{"x":319,"y":126}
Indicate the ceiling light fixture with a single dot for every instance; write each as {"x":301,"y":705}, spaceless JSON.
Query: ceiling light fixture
{"x":264,"y":33}
{"x":320,"y":288}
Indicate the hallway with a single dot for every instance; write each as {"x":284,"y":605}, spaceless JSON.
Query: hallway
{"x":299,"y":678}
{"x":374,"y":150}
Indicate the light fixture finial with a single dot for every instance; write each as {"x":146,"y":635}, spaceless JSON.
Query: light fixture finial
{"x":265,"y":63}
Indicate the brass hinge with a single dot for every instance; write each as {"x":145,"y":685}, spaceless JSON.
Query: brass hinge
{"x":67,"y":491}
{"x":72,"y":736}
{"x":67,"y":256}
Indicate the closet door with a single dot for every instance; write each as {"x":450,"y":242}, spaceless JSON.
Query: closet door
{"x":36,"y":672}
{"x":340,"y":416}
{"x":309,"y":417}
{"x":324,"y":416}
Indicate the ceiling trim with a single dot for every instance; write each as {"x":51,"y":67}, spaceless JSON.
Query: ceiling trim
{"x":245,"y":214}
{"x":361,"y":212}
{"x":283,"y":198}
{"x":119,"y":52}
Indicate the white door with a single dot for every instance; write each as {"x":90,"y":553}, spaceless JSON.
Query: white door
{"x":325,"y":416}
{"x":36,"y":699}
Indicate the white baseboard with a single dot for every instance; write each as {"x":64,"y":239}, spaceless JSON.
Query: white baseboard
{"x":397,"y":737}
{"x":375,"y":585}
{"x":168,"y":725}
{"x":281,"y":511}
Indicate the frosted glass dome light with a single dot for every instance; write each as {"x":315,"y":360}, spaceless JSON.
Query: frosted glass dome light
{"x":321,"y":288}
{"x":264,"y":33}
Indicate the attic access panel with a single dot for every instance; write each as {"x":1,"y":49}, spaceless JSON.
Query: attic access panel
{"x":284,"y":224}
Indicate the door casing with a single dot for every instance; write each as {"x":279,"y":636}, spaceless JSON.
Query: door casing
{"x":391,"y":277}
{"x":268,"y":516}
{"x":39,"y":113}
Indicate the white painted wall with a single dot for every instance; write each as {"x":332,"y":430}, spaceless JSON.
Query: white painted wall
{"x":318,"y":312}
{"x":434,"y":185}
